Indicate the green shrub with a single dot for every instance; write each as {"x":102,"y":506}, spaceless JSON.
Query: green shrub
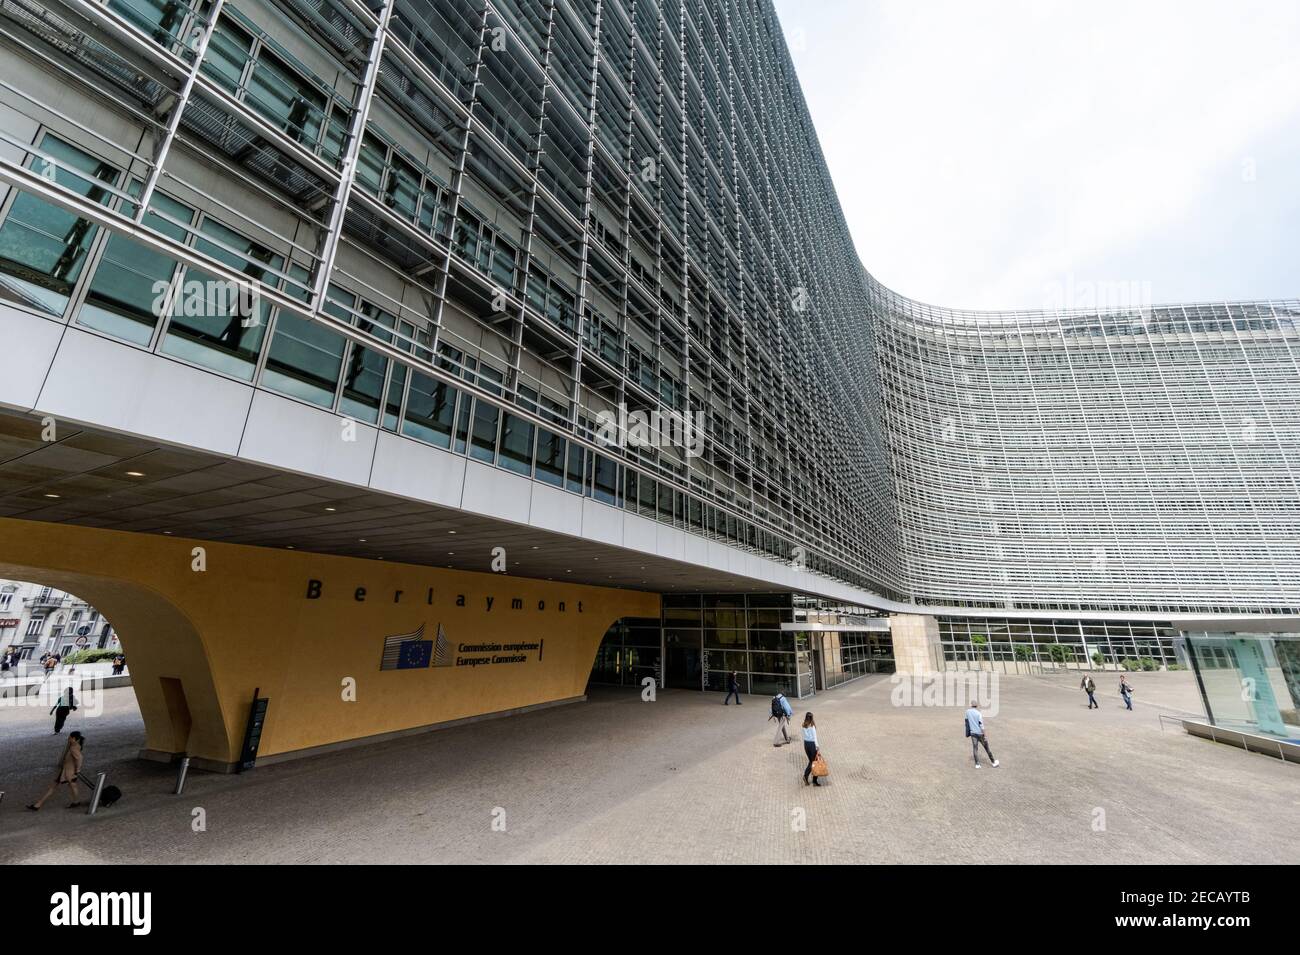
{"x":1128,"y":663}
{"x":1176,"y":666}
{"x":89,"y":656}
{"x":1024,"y":651}
{"x":1059,"y":653}
{"x":1097,"y":658}
{"x":978,"y":639}
{"x":1148,"y":663}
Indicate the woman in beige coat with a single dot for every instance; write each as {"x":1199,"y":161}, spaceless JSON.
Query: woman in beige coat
{"x":69,"y":767}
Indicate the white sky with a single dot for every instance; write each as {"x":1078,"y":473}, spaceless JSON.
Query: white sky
{"x":993,"y":154}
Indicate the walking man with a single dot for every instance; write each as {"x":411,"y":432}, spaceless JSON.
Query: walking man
{"x":975,"y":730}
{"x":733,"y":686}
{"x":67,"y":704}
{"x":1126,"y":691}
{"x":1090,"y":688}
{"x":781,"y":712}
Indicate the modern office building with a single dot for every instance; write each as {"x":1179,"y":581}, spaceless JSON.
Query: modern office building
{"x":318,"y":305}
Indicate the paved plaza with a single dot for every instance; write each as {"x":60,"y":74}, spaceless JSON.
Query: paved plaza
{"x":684,"y":779}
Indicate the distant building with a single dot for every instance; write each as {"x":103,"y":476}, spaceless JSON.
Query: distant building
{"x":39,"y":619}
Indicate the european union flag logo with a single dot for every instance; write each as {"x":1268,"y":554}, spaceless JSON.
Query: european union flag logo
{"x":414,"y":654}
{"x":406,"y":651}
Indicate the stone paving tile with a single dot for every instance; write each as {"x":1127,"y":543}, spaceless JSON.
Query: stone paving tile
{"x":685,"y":779}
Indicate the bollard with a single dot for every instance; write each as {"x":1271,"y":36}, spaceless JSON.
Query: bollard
{"x":99,"y":790}
{"x":181,"y":773}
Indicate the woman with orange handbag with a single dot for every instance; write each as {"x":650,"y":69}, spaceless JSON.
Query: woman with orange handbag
{"x":810,"y":748}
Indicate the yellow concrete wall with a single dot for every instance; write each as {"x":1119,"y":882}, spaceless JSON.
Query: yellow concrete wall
{"x":246,"y":623}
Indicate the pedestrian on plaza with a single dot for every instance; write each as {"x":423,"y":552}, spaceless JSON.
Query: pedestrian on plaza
{"x":50,"y":662}
{"x":67,"y":704}
{"x":781,"y":712}
{"x":119,"y":662}
{"x":975,"y":730}
{"x":68,"y":769}
{"x":810,"y":746}
{"x":733,"y":686}
{"x":4,"y":662}
{"x":1090,"y":688}
{"x":1126,"y":691}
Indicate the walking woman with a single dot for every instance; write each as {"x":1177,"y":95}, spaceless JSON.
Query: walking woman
{"x":810,"y":747}
{"x":1126,"y":691}
{"x":69,"y":767}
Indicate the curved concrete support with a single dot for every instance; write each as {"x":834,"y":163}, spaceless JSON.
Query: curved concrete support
{"x":206,"y":624}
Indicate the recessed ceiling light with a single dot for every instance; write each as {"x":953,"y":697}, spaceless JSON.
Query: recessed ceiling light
{"x":451,"y":553}
{"x":331,"y":508}
{"x":135,"y":474}
{"x":289,"y":546}
{"x":166,"y":532}
{"x":534,"y":547}
{"x":52,"y":495}
{"x":568,"y":571}
{"x":451,"y":532}
{"x":361,"y":540}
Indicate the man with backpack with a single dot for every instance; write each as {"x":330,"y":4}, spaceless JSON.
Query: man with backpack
{"x":781,"y":712}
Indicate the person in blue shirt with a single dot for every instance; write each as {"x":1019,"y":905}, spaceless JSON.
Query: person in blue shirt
{"x":975,"y":730}
{"x":781,"y":712}
{"x":810,"y":747}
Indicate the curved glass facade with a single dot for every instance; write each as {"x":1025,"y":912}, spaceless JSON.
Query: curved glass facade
{"x":1137,"y":461}
{"x":490,"y":225}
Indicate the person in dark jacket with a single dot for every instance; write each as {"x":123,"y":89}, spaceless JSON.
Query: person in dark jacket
{"x":733,"y":686}
{"x":1126,"y":691}
{"x":1090,"y":688}
{"x":67,"y":704}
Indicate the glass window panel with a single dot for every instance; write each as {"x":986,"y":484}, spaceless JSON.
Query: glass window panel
{"x":42,"y":247}
{"x":305,"y":360}
{"x":127,"y":294}
{"x":363,"y":383}
{"x":575,"y":468}
{"x":216,"y":324}
{"x":517,"y":444}
{"x":605,"y":480}
{"x":550,"y":457}
{"x":370,"y":163}
{"x":483,"y":439}
{"x":393,"y":405}
{"x":430,"y":410}
{"x":228,"y":52}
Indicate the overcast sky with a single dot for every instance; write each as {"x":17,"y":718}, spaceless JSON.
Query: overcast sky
{"x":993,"y":154}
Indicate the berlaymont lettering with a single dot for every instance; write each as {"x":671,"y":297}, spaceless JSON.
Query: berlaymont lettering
{"x":316,"y":590}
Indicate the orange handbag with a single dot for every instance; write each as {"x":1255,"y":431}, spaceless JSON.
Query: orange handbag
{"x":819,"y":766}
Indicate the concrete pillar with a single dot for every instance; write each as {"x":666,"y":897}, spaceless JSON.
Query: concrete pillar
{"x":916,"y":642}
